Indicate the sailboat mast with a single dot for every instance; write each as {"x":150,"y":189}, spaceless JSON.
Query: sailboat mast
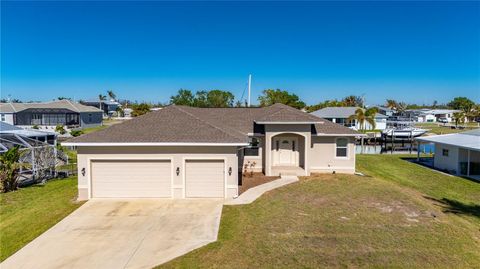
{"x":249,"y":88}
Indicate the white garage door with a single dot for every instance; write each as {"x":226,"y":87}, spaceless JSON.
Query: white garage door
{"x":204,"y":178}
{"x":131,"y":178}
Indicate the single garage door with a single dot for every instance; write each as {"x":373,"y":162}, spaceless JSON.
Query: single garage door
{"x":131,"y":178}
{"x":204,"y":178}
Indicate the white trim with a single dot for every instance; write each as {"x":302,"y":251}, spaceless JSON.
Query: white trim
{"x":184,"y":174}
{"x":92,"y":144}
{"x":255,"y":134}
{"x":89,"y":173}
{"x":289,"y":122}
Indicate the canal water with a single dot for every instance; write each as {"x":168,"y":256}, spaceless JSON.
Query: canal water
{"x":379,"y":149}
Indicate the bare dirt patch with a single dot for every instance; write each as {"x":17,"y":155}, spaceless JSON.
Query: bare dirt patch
{"x":254,"y":180}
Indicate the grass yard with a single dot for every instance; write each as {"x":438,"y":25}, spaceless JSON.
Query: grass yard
{"x":438,"y":129}
{"x":400,"y":215}
{"x":28,"y":212}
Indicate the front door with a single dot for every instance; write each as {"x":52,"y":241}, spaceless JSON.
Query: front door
{"x":285,"y":152}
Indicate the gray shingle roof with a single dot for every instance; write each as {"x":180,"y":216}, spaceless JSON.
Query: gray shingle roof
{"x":181,"y":124}
{"x":60,"y":104}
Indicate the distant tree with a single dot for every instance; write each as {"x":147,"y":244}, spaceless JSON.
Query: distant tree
{"x":459,"y":117}
{"x":183,"y":98}
{"x":140,"y":109}
{"x":9,"y":169}
{"x":270,"y":97}
{"x":352,"y":100}
{"x":435,"y":104}
{"x":219,"y":98}
{"x":5,"y":100}
{"x":111,"y":94}
{"x":64,"y":98}
{"x":324,"y":104}
{"x":120,"y":112}
{"x":200,"y":99}
{"x":462,"y":103}
{"x":361,"y":116}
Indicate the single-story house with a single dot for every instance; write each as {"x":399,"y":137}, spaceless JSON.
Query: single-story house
{"x":457,"y":153}
{"x":48,"y":115}
{"x":431,"y":115}
{"x":109,"y":107}
{"x":340,"y":115}
{"x":188,"y":152}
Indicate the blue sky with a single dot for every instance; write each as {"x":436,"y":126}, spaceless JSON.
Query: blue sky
{"x":411,"y":51}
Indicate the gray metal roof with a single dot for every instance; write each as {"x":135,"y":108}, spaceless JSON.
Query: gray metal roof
{"x":60,"y":104}
{"x":340,"y":112}
{"x":467,"y":140}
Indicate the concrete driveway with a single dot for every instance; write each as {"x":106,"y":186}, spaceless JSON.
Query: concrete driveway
{"x":123,"y":234}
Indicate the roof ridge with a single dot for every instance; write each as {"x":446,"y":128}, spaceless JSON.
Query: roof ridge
{"x":71,"y":104}
{"x":209,"y":123}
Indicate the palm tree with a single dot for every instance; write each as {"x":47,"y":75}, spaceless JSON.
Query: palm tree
{"x":112,"y":95}
{"x":392,"y":104}
{"x":362,"y":116}
{"x":101,"y":98}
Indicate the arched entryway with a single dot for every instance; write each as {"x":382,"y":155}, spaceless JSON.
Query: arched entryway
{"x":287,"y":151}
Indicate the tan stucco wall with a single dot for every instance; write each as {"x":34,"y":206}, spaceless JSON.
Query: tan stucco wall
{"x":176,"y":154}
{"x":449,"y":162}
{"x":323,"y":158}
{"x":271,"y":130}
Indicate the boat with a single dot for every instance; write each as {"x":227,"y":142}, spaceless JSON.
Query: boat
{"x":403,"y":133}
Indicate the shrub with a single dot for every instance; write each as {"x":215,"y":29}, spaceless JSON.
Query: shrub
{"x":76,"y":133}
{"x":9,"y":169}
{"x":60,"y":129}
{"x":35,"y":127}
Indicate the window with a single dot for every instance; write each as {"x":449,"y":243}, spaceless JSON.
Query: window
{"x":445,"y":152}
{"x":252,"y":150}
{"x":341,"y":147}
{"x":3,"y":117}
{"x":89,"y":117}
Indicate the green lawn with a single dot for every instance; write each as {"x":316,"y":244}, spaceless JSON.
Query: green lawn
{"x":438,"y":129}
{"x":400,"y":215}
{"x":28,"y":212}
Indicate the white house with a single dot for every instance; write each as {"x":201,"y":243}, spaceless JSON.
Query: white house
{"x":457,"y":153}
{"x":340,"y":115}
{"x":432,"y":115}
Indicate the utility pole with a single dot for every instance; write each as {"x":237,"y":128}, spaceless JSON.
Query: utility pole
{"x":249,"y":88}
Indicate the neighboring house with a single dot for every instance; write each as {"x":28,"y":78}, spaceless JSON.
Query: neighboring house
{"x":430,"y":115}
{"x":457,"y":153}
{"x":188,"y":152}
{"x":109,"y":107}
{"x":50,"y":114}
{"x":340,"y":115}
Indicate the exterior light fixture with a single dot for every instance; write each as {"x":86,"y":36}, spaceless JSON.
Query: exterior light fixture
{"x":230,"y":171}
{"x":83,"y":171}
{"x":178,"y":171}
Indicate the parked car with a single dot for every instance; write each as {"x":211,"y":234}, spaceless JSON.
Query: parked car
{"x":442,"y":120}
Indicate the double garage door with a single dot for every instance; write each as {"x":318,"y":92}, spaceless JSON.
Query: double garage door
{"x":153,"y":178}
